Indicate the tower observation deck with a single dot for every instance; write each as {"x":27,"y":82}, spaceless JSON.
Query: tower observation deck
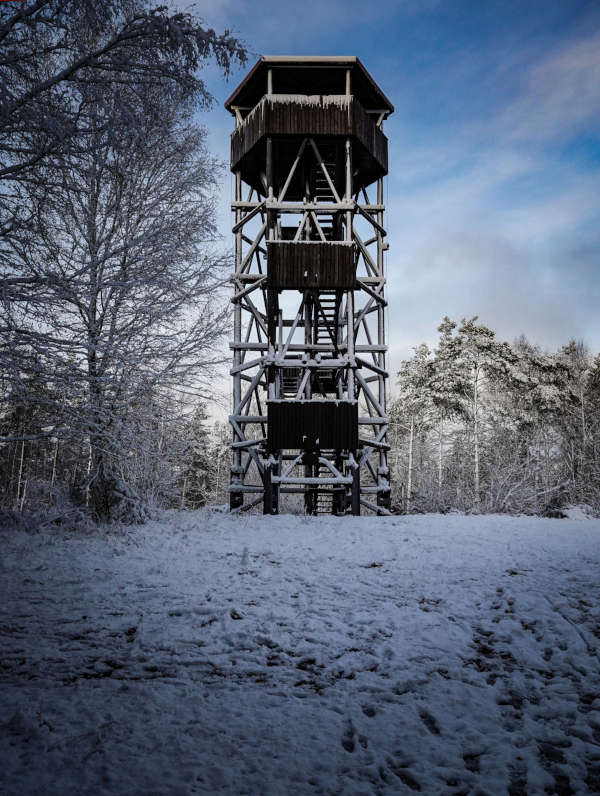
{"x":309,"y":349}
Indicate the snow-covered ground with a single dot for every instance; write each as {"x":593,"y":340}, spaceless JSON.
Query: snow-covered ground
{"x":285,"y":655}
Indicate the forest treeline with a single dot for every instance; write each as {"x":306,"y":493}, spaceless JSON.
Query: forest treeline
{"x":477,"y":425}
{"x":482,"y":425}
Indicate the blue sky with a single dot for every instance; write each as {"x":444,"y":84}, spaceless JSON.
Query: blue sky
{"x":494,"y":184}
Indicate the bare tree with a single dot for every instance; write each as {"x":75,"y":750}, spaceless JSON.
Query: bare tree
{"x":49,"y":46}
{"x":53,"y":55}
{"x":111,"y":279}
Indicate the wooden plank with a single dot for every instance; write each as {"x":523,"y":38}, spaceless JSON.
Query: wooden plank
{"x":311,"y":264}
{"x":298,"y":425}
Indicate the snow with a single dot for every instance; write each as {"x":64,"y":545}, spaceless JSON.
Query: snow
{"x":580,"y":512}
{"x":342,"y":101}
{"x":206,"y":653}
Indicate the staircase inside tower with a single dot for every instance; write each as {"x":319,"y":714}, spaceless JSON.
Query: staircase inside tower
{"x":326,"y":316}
{"x":326,"y":331}
{"x":321,"y":190}
{"x":290,"y":381}
{"x":325,"y":499}
{"x":321,"y":193}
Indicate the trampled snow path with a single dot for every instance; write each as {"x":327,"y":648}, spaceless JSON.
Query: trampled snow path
{"x":285,"y":655}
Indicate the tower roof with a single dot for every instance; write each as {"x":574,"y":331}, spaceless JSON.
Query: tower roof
{"x":309,"y":74}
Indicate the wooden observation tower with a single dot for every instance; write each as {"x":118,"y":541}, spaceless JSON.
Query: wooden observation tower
{"x":309,"y":348}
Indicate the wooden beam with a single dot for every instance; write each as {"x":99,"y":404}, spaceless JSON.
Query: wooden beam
{"x":248,"y":289}
{"x":369,"y":218}
{"x":247,"y":217}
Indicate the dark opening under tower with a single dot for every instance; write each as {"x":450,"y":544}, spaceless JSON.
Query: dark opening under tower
{"x":309,"y":342}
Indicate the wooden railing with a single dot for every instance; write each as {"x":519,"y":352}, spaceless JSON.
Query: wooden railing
{"x":290,"y":114}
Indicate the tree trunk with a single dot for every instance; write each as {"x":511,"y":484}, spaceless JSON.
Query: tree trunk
{"x":440,"y":446}
{"x":476,"y":503}
{"x":410,"y":464}
{"x":53,"y":477}
{"x":582,"y":467}
{"x":20,"y":478}
{"x":100,"y":481}
{"x":100,"y":497}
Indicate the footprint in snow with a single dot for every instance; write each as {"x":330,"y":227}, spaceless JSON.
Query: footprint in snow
{"x":430,"y":722}
{"x":472,"y":761}
{"x":348,"y":737}
{"x":400,"y":771}
{"x":518,"y":778}
{"x":369,"y":711}
{"x":592,"y":779}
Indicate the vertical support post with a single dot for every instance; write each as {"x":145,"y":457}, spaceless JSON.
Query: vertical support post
{"x":383,"y":475}
{"x":339,"y":337}
{"x":351,"y":360}
{"x":308,"y":338}
{"x":350,"y":295}
{"x":236,"y":499}
{"x":277,"y":488}
{"x":355,"y":496}
{"x":348,"y":187}
{"x":272,"y":320}
{"x":309,"y":498}
{"x":269,"y":175}
{"x":380,"y":309}
{"x":309,"y":494}
{"x":268,"y":490}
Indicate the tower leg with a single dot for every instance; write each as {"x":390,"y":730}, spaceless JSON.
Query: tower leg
{"x":309,"y":496}
{"x":384,"y":499}
{"x":236,"y":500}
{"x":355,"y":497}
{"x":268,"y":486}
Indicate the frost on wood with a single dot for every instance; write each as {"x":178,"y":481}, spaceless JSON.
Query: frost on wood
{"x":341,"y":101}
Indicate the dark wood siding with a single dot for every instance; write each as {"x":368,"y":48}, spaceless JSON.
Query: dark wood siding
{"x":330,"y":264}
{"x":297,"y":425}
{"x":282,"y":115}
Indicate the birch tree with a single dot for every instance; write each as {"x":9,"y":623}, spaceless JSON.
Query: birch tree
{"x":47,"y":47}
{"x":125,"y":249}
{"x":112,"y":279}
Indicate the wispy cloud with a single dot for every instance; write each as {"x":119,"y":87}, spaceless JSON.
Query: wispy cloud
{"x":494,"y":221}
{"x":560,"y":94}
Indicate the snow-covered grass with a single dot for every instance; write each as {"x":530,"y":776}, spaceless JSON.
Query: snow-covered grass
{"x":205,"y":653}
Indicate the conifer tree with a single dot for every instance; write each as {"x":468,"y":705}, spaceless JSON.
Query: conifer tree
{"x":575,"y":421}
{"x":485,"y":359}
{"x":411,"y":410}
{"x":196,"y":464}
{"x":447,"y":387}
